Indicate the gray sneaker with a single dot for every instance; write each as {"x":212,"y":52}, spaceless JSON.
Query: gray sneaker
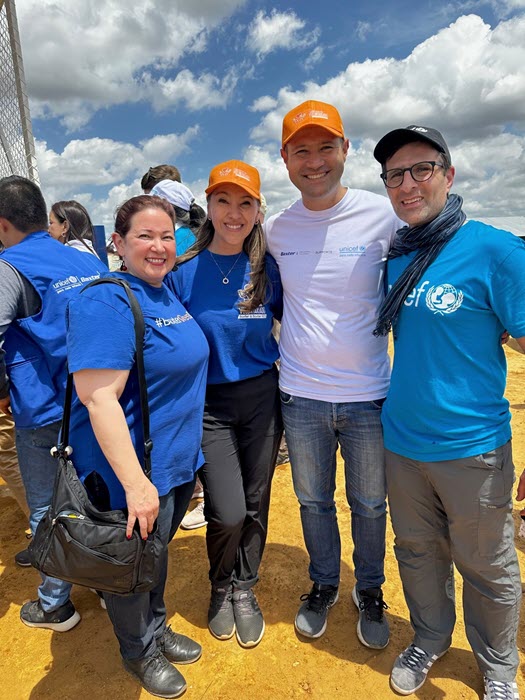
{"x":311,"y":619}
{"x":221,"y":622}
{"x":249,"y":621}
{"x":500,"y":690}
{"x":410,"y":669}
{"x":372,"y":628}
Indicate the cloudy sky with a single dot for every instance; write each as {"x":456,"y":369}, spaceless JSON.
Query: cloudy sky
{"x":118,"y":85}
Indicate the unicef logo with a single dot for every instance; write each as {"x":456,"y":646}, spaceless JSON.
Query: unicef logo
{"x":444,"y":299}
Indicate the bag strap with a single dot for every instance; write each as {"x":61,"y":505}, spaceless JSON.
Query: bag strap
{"x":139,"y":358}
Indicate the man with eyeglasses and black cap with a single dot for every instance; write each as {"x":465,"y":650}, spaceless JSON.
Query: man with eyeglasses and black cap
{"x":454,"y":286}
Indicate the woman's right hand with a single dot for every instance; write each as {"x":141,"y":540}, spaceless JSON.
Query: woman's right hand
{"x":142,"y":500}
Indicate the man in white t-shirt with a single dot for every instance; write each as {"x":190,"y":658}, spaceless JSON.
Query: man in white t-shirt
{"x":331,"y":246}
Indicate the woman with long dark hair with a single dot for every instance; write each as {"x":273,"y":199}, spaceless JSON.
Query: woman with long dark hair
{"x":232,"y":288}
{"x":69,"y":223}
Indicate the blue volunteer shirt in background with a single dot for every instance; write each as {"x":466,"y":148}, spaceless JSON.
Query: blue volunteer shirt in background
{"x":35,"y":349}
{"x":101,"y":336}
{"x":241,"y":344}
{"x":446,"y":394}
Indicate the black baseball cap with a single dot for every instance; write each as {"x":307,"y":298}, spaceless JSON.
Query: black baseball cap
{"x":394,"y":140}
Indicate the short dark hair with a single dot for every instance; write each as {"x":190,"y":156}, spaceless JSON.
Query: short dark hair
{"x":128,"y":209}
{"x":22,"y":204}
{"x":158,"y":173}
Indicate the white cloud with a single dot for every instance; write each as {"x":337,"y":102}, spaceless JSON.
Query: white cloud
{"x":506,"y":7}
{"x":278,"y":30}
{"x":92,"y":163}
{"x":314,"y":57}
{"x":81,"y":56}
{"x":99,"y":161}
{"x":195,"y":93}
{"x":362,"y":30}
{"x":264,"y":104}
{"x":468,"y":81}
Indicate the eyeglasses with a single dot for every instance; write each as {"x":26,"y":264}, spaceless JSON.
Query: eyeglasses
{"x":420,"y":172}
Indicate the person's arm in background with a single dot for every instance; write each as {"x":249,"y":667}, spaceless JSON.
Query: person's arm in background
{"x":99,"y":390}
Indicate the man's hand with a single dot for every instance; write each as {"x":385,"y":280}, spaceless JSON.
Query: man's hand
{"x":5,"y":405}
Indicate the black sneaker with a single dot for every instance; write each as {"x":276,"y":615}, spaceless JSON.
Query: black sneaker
{"x":372,"y":628}
{"x":178,"y":648}
{"x":62,"y":619}
{"x":249,"y":621}
{"x":22,"y":558}
{"x":221,"y":622}
{"x":157,"y":675}
{"x":312,"y":617}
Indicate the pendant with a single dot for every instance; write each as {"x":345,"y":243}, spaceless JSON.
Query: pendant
{"x":225,"y":280}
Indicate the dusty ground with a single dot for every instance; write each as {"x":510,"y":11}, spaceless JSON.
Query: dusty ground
{"x":84,"y":663}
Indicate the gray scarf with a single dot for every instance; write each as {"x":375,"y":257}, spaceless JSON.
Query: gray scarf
{"x":429,"y":240}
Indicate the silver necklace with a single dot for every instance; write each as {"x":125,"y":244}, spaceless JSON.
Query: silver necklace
{"x":225,"y":277}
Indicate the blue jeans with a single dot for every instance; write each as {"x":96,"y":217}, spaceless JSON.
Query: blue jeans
{"x":314,"y":430}
{"x":38,"y":470}
{"x":139,"y":620}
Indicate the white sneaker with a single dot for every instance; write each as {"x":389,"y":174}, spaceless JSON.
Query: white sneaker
{"x":100,"y":598}
{"x":195,"y":518}
{"x":500,"y":690}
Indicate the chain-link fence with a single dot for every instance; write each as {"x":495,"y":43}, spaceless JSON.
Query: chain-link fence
{"x":17,"y":149}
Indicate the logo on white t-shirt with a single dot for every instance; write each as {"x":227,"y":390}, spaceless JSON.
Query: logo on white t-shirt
{"x":352,"y":251}
{"x":444,"y":299}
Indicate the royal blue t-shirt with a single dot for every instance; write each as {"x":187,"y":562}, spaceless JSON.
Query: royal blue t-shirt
{"x":241,"y":344}
{"x":448,"y":378}
{"x":101,"y":335}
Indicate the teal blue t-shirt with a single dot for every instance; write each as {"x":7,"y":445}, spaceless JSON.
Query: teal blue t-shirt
{"x":241,"y":344}
{"x":448,"y":378}
{"x":184,"y":238}
{"x":101,"y":335}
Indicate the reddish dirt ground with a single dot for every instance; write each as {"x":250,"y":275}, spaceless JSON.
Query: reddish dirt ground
{"x":84,"y":663}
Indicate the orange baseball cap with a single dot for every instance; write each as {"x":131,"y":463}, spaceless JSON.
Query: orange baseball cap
{"x":312,"y":113}
{"x":236,"y":172}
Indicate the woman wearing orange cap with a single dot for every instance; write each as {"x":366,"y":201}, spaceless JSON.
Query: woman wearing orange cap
{"x":232,"y":288}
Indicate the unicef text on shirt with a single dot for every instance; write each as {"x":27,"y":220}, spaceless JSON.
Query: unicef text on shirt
{"x":352,"y":250}
{"x":73,"y":281}
{"x":161,"y":322}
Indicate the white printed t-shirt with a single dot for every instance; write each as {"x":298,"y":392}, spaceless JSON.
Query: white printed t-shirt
{"x":332,"y":265}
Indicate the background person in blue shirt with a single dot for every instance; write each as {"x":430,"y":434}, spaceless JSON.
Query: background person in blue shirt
{"x":106,"y":428}
{"x":38,"y":276}
{"x":454,"y":287}
{"x":232,"y":289}
{"x":190,"y":216}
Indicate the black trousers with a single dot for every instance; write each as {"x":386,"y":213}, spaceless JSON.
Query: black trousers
{"x":242,"y":431}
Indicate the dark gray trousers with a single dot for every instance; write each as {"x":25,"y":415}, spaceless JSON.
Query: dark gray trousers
{"x":460,"y":512}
